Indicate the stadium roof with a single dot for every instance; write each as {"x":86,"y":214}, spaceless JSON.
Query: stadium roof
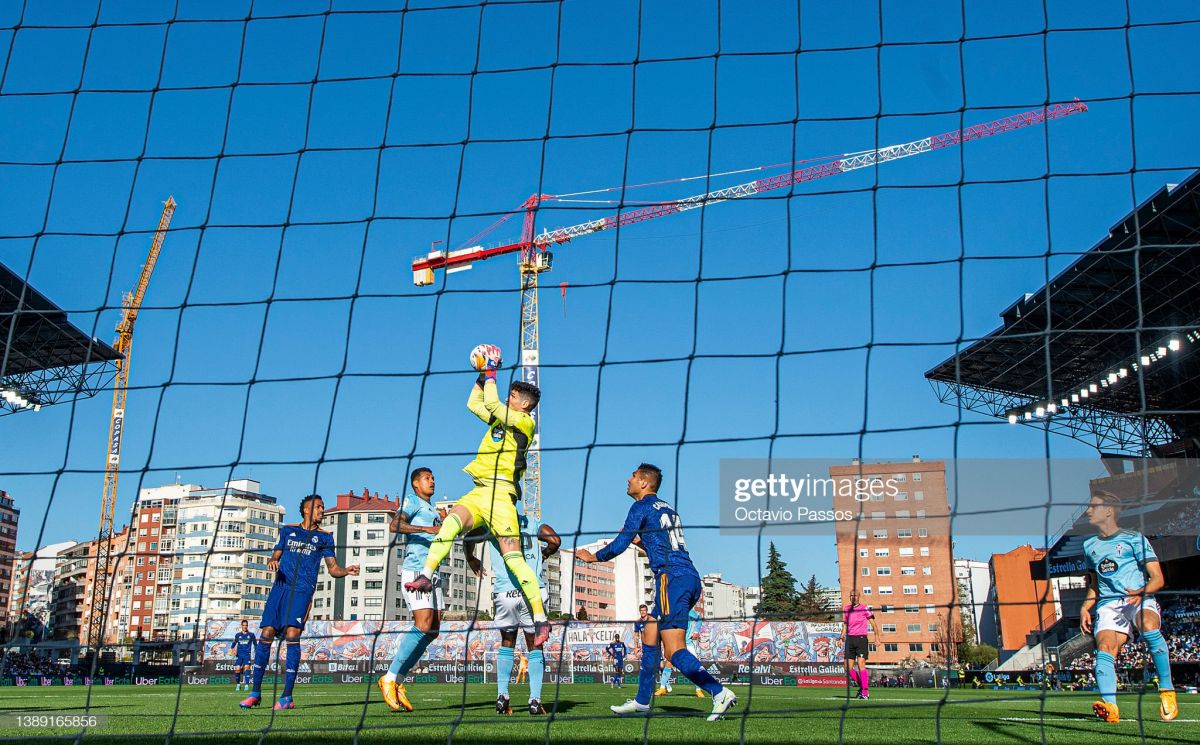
{"x":44,"y":358}
{"x":1122,"y":322}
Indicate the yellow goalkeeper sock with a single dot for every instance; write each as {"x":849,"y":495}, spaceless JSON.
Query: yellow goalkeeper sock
{"x":442,"y":543}
{"x":516,"y":564}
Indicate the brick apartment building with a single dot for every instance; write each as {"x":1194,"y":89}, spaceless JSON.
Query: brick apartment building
{"x":897,"y":555}
{"x":9,"y":517}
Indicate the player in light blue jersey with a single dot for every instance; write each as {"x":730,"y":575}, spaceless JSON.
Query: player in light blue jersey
{"x":243,"y":647}
{"x":417,"y":520}
{"x":296,"y":561}
{"x":538,"y":542}
{"x":1123,"y":575}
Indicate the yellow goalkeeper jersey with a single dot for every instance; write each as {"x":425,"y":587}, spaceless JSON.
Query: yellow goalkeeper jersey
{"x":502,"y":451}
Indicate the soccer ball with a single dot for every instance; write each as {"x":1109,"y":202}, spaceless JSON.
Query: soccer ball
{"x":480,"y":355}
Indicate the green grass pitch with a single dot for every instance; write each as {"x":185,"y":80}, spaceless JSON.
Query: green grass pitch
{"x":335,"y":714}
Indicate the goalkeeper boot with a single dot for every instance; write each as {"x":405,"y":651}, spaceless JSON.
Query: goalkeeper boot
{"x":285,"y":702}
{"x":699,"y":693}
{"x":541,"y":633}
{"x":1168,"y":708}
{"x":630,"y":707}
{"x":251,"y":701}
{"x":661,"y":692}
{"x":420,"y":584}
{"x":1107,"y":712}
{"x":722,"y":702}
{"x":502,"y":705}
{"x":536,"y":708}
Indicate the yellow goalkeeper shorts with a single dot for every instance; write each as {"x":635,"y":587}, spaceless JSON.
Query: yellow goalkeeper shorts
{"x":493,"y":504}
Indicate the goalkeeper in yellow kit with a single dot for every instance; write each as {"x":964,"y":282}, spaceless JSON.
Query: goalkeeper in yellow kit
{"x":497,"y":470}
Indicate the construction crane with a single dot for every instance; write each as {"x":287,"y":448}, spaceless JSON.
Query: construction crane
{"x":535,"y":257}
{"x":131,"y":304}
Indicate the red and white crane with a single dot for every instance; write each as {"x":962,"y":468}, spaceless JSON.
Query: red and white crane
{"x":460,"y":259}
{"x":535,"y":257}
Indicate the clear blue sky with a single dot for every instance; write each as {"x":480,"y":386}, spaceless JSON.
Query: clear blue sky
{"x":330,"y":299}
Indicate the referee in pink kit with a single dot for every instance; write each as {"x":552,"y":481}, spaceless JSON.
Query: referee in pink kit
{"x":859,"y":619}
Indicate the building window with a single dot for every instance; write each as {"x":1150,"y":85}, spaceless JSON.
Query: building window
{"x":919,"y":495}
{"x":876,"y":497}
{"x":920,"y":514}
{"x":871,"y":646}
{"x":922,"y":532}
{"x":924,"y":550}
{"x":357,"y":518}
{"x":862,"y":535}
{"x":866,"y":591}
{"x":914,"y":628}
{"x":891,"y":647}
{"x":927,"y":571}
{"x":881,"y":552}
{"x":881,"y":533}
{"x":935,"y":647}
{"x":904,"y":532}
{"x":883,"y":571}
{"x":145,"y":517}
{"x":933,"y":627}
{"x":928,"y":589}
{"x":930,"y":608}
{"x":374,"y":535}
{"x":373,"y":602}
{"x":864,"y":553}
{"x":906,"y":551}
{"x":917,"y":476}
{"x":912,"y":609}
{"x":878,"y":515}
{"x":886,"y":609}
{"x":901,"y":496}
{"x":885,"y":589}
{"x":357,"y":535}
{"x":910,"y":589}
{"x":866,"y":571}
{"x":916,"y":647}
{"x":889,"y":628}
{"x":908,"y":571}
{"x":902,"y":514}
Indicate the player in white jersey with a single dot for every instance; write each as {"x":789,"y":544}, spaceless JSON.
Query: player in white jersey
{"x":418,"y":520}
{"x":512,"y":612}
{"x":1123,"y":575}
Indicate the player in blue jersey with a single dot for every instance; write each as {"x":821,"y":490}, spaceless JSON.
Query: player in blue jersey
{"x":693,"y":634}
{"x":1123,"y":575}
{"x":538,"y":542}
{"x":296,"y":561}
{"x":243,"y":649}
{"x":617,"y":650}
{"x":677,"y":589}
{"x":419,"y":520}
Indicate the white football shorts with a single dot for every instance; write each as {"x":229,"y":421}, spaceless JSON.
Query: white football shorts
{"x":1122,"y":617}
{"x":513,"y":612}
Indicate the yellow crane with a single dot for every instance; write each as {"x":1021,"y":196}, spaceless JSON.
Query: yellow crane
{"x":132,"y":303}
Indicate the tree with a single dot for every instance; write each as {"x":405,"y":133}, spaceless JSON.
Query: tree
{"x":811,"y":603}
{"x":779,"y":597}
{"x":976,"y":655}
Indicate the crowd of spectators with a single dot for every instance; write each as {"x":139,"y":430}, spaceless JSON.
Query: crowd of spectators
{"x":1181,"y":628}
{"x":30,"y":665}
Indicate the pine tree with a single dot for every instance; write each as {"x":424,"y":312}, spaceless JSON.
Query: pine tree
{"x":779,"y":597}
{"x":811,"y":604}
